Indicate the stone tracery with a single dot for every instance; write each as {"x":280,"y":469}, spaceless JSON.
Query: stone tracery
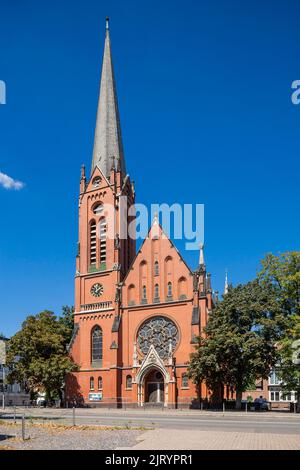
{"x":159,"y":331}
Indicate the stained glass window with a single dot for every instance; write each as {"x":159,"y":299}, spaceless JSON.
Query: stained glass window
{"x":97,"y":344}
{"x":159,"y":331}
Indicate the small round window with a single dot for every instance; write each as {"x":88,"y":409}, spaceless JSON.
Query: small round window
{"x":98,"y":209}
{"x":96,"y":181}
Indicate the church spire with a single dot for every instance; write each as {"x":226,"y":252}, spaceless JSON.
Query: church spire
{"x":108,"y":139}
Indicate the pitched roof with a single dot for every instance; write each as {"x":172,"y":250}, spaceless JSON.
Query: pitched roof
{"x":160,"y":233}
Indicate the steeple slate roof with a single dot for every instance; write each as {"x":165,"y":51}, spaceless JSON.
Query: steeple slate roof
{"x":108,"y":147}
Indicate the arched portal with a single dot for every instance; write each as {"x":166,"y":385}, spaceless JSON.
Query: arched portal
{"x":152,"y":380}
{"x":154,"y":387}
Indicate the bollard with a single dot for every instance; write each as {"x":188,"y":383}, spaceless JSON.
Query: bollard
{"x":23,"y":427}
{"x":14,"y":414}
{"x":223,"y":406}
{"x":74,"y":424}
{"x":295,"y":410}
{"x":246,"y":407}
{"x":201,"y":406}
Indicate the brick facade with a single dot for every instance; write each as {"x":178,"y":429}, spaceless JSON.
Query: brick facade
{"x":136,"y":314}
{"x":151,"y":292}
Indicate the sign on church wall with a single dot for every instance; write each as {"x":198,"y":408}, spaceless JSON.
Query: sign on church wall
{"x":95,"y":396}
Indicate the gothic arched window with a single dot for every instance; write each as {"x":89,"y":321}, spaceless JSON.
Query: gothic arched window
{"x":184,"y":381}
{"x":129,"y":382}
{"x":156,"y":268}
{"x":144,"y":294}
{"x":100,"y":383}
{"x":97,"y":345}
{"x":156,"y":292}
{"x":102,"y":235}
{"x":93,"y":243}
{"x":169,"y":289}
{"x":92,"y":383}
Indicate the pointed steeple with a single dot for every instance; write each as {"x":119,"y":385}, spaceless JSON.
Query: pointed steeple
{"x":226,"y":283}
{"x":108,"y":139}
{"x":201,"y":255}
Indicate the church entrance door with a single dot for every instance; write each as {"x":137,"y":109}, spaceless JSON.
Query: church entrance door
{"x":154,"y":387}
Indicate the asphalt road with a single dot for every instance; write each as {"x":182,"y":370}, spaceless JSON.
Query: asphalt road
{"x":241,"y":422}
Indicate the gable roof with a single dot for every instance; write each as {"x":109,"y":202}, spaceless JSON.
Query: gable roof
{"x":165,"y":236}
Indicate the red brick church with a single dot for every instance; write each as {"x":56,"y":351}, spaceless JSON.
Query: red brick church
{"x":137,"y":314}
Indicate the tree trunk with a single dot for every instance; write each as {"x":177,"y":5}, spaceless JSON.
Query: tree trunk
{"x":60,"y":394}
{"x":238,"y":402}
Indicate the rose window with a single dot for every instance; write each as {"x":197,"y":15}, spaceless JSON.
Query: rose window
{"x":159,"y":331}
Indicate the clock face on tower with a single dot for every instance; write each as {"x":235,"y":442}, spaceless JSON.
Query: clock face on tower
{"x":97,"y":290}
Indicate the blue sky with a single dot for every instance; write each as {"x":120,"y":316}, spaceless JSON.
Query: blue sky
{"x":204,"y":93}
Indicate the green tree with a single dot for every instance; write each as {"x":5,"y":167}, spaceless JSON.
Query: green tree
{"x":282,"y":272}
{"x":239,"y":341}
{"x":67,"y":320}
{"x":37,"y":354}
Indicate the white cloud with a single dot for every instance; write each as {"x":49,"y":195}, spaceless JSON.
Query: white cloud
{"x":9,"y":183}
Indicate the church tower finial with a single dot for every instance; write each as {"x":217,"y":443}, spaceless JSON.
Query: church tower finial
{"x":108,"y":138}
{"x":201,"y":255}
{"x":226,"y":283}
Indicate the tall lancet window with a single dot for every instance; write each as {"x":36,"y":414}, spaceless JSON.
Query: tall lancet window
{"x":97,"y":346}
{"x":156,"y":292}
{"x":102,"y":243}
{"x":93,"y":243}
{"x":144,"y":294}
{"x":156,"y":268}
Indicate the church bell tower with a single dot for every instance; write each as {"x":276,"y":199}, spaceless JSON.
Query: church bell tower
{"x":104,"y":252}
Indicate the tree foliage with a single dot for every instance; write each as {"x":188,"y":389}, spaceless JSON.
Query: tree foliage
{"x":67,"y":321}
{"x":283,"y":274}
{"x":238,"y":345}
{"x":37,"y":354}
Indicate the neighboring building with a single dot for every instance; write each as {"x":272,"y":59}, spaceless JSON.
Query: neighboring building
{"x":136,"y":314}
{"x":272,"y":390}
{"x":12,"y":394}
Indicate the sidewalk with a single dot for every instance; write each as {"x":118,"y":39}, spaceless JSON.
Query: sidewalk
{"x":179,"y":439}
